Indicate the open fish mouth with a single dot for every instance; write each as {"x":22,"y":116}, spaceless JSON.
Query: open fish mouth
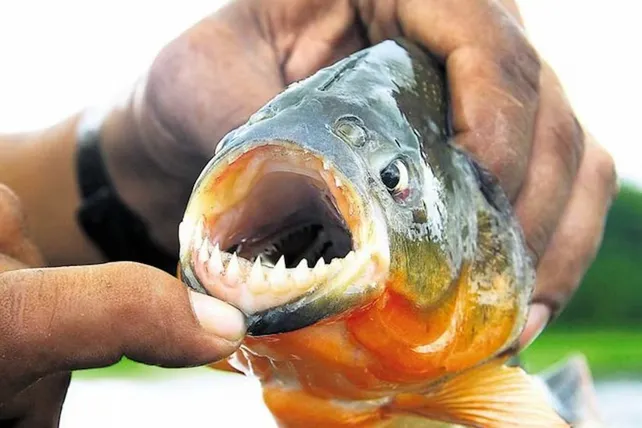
{"x":280,"y":233}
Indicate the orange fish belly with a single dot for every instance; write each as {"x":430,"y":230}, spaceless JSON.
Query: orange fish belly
{"x":347,"y":371}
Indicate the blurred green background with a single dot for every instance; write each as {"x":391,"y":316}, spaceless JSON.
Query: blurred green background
{"x":603,"y":321}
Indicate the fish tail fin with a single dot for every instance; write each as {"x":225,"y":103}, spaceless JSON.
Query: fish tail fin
{"x":490,"y":396}
{"x":570,"y":387}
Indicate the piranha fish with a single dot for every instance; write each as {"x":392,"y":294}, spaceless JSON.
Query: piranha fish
{"x":382,"y":272}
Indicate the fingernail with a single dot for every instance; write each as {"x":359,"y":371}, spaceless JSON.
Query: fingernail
{"x":538,"y":317}
{"x":218,"y":317}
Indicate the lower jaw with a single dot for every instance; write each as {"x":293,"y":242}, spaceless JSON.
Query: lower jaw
{"x":279,"y":299}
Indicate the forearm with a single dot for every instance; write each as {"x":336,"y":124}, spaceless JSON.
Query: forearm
{"x":40,"y":168}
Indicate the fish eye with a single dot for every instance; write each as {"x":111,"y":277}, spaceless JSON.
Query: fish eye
{"x":395,"y":178}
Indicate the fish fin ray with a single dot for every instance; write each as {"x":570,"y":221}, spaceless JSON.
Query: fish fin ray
{"x":490,"y":396}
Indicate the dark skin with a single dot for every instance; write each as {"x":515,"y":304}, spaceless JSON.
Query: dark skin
{"x":56,"y":320}
{"x":509,"y":112}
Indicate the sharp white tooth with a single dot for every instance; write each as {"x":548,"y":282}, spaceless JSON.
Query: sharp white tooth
{"x":233,"y":269}
{"x":301,"y":273}
{"x":258,"y":284}
{"x":204,"y":251}
{"x":215,"y":264}
{"x":279,"y":276}
{"x":257,"y":270}
{"x":256,"y":274}
{"x":326,"y":165}
{"x":337,"y":182}
{"x":320,"y":268}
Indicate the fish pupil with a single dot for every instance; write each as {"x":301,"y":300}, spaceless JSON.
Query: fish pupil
{"x":391,"y":176}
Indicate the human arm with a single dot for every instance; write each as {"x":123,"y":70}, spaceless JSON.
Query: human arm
{"x":40,"y":168}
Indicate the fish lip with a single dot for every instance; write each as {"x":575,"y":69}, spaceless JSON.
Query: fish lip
{"x":295,"y":313}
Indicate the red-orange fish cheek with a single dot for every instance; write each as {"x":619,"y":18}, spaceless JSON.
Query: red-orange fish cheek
{"x":413,"y":343}
{"x":380,"y":330}
{"x":327,"y":361}
{"x":403,"y":321}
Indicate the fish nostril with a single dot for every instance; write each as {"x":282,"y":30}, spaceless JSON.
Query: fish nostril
{"x":351,"y":129}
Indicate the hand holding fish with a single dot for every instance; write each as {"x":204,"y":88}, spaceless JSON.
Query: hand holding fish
{"x":509,"y":112}
{"x":53,"y":321}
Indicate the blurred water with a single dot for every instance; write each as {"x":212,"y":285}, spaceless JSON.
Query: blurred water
{"x":621,"y":403}
{"x":202,"y":398}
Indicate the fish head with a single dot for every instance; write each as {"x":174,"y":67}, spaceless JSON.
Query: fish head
{"x":285,"y":234}
{"x":341,"y":187}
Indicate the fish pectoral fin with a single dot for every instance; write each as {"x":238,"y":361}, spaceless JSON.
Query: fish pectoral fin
{"x":489,"y":396}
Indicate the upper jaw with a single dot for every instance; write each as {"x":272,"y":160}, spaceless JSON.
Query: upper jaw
{"x":279,"y":298}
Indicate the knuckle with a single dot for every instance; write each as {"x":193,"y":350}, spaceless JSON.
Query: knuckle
{"x":605,"y":169}
{"x":133,"y":292}
{"x":521,"y":65}
{"x":125,"y":281}
{"x":537,"y":239}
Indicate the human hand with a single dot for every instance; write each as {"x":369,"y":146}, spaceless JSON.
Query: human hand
{"x":53,"y":321}
{"x":509,"y":112}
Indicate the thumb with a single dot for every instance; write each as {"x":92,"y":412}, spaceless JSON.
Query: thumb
{"x":85,"y":317}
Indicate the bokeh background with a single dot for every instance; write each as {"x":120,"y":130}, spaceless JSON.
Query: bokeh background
{"x":57,"y":56}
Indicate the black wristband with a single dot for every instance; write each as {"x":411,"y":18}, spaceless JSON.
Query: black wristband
{"x":115,"y":229}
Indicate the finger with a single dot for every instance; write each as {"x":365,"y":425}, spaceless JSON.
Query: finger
{"x":39,"y":405}
{"x":183,"y":91}
{"x":309,"y":41}
{"x":73,"y":318}
{"x":494,"y":79}
{"x":557,"y":151}
{"x":13,"y":230}
{"x":539,"y":315}
{"x":577,"y":239}
{"x":380,"y":19}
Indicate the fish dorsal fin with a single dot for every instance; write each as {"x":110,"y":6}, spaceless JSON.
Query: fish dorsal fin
{"x":490,"y":396}
{"x":570,"y":386}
